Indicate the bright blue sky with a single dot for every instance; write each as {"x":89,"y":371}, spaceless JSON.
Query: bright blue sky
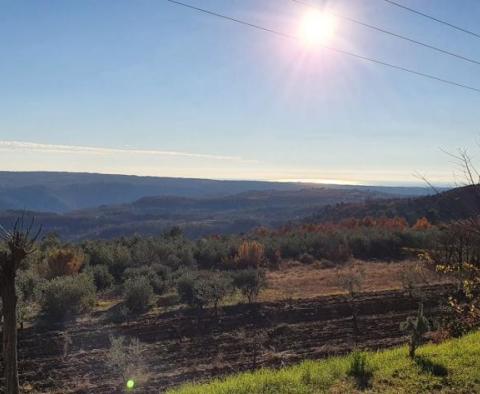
{"x":139,"y":75}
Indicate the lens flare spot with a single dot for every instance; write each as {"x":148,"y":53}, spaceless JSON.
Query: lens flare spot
{"x":130,"y":384}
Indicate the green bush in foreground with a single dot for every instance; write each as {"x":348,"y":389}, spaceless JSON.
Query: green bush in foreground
{"x":66,"y":296}
{"x":250,"y":282}
{"x":360,"y":369}
{"x":102,"y":278}
{"x":451,"y":367}
{"x":138,"y":294}
{"x":416,"y":327}
{"x":197,"y":290}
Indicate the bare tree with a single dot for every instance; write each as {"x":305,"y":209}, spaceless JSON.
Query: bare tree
{"x":351,"y":280}
{"x":125,"y":359}
{"x":457,"y":252}
{"x":413,"y":278}
{"x":254,"y":343}
{"x":18,"y":245}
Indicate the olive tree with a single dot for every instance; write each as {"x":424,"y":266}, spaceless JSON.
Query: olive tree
{"x":250,"y":282}
{"x":198,"y":291}
{"x":351,"y":280}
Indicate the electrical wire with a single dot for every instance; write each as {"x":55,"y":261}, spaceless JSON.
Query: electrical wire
{"x":399,"y":36}
{"x":394,"y":3}
{"x":341,"y":51}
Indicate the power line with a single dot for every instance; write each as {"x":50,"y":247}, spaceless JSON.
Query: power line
{"x":384,"y":31}
{"x":341,"y":51}
{"x":229,"y":18}
{"x":394,"y":3}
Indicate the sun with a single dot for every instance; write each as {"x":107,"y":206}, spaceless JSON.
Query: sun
{"x":317,"y":28}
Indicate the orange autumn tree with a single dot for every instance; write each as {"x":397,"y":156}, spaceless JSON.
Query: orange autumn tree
{"x":64,"y":261}
{"x":250,"y":254}
{"x":422,"y":224}
{"x":396,"y":223}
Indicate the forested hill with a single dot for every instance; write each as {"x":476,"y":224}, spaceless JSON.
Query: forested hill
{"x":197,"y":216}
{"x":61,"y":192}
{"x":454,"y":204}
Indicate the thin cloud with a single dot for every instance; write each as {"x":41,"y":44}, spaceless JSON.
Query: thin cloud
{"x":54,"y":148}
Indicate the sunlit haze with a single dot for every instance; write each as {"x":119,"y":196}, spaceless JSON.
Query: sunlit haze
{"x":116,"y":80}
{"x":317,"y":28}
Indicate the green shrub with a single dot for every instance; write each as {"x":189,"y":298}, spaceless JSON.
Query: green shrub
{"x":273,"y":255}
{"x":216,"y":287}
{"x":116,"y":256}
{"x":158,"y":276}
{"x":359,"y":369}
{"x":250,"y":282}
{"x":416,"y":327}
{"x":118,"y":314}
{"x":186,"y":290}
{"x":138,"y":294}
{"x":306,"y":258}
{"x":185,"y":254}
{"x":159,"y":286}
{"x":102,"y":277}
{"x":27,"y":283}
{"x":214,"y":253}
{"x":66,"y":296}
{"x":198,"y":291}
{"x":173,"y":261}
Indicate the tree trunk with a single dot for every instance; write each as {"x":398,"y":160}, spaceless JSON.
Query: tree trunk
{"x":411,"y":349}
{"x":254,"y":358}
{"x":354,"y":312}
{"x":9,"y":336}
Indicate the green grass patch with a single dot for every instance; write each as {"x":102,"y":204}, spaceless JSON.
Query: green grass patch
{"x":451,"y":367}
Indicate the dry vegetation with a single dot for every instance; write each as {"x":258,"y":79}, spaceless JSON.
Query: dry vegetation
{"x":199,"y":309}
{"x":296,"y":280}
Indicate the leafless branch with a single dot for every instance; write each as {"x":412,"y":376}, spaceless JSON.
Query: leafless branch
{"x":425,"y":179}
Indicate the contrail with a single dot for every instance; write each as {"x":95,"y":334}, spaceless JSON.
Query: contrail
{"x":54,"y":148}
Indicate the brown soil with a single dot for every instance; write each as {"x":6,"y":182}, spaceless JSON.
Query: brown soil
{"x":179,"y":349}
{"x":296,"y":280}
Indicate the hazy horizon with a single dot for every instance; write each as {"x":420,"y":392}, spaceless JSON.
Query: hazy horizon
{"x":318,"y":181}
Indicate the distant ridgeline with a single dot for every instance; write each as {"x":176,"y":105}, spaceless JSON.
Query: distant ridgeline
{"x":85,"y":206}
{"x":62,"y":192}
{"x":455,"y":204}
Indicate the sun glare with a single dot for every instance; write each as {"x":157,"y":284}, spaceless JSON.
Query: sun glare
{"x":317,"y":28}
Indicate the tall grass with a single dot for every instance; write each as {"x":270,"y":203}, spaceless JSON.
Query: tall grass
{"x":453,"y":366}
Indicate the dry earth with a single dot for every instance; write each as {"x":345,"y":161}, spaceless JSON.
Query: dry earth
{"x":296,"y":280}
{"x":178,"y":350}
{"x":293,"y":321}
